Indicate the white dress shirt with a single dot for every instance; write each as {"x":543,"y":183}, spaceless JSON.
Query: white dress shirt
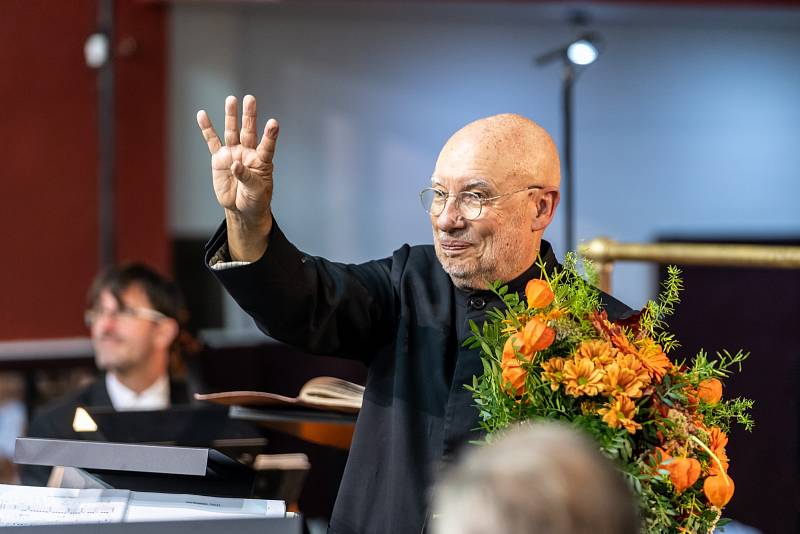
{"x":156,"y":397}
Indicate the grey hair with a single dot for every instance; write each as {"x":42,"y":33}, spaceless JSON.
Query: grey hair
{"x":536,"y":478}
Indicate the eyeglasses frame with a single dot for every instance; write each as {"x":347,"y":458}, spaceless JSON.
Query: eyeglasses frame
{"x":135,"y":312}
{"x":482,"y":200}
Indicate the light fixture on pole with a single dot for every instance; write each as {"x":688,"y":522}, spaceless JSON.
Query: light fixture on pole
{"x":575,"y":56}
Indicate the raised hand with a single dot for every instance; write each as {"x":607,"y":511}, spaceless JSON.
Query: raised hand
{"x":242,"y":175}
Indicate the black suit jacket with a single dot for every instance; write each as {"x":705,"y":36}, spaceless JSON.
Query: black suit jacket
{"x":403,"y":318}
{"x":54,"y":420}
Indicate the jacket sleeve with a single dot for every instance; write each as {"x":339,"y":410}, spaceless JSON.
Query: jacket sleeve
{"x":313,"y":304}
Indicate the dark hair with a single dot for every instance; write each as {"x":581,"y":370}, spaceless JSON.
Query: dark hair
{"x":163,"y":294}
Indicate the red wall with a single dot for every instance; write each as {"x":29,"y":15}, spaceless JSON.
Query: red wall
{"x":48,"y":158}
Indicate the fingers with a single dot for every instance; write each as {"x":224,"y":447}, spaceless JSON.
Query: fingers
{"x":243,"y":174}
{"x":231,"y":123}
{"x":249,"y":135}
{"x":266,"y":148}
{"x":209,"y":134}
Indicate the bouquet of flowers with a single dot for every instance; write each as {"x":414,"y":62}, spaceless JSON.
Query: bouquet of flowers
{"x":556,"y":355}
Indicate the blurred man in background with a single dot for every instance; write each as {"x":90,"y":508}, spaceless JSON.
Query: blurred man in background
{"x":135,"y":317}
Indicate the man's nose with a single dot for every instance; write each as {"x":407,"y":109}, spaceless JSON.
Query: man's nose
{"x":450,"y":218}
{"x":105,"y":322}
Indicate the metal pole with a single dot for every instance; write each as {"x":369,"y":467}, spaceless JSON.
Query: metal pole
{"x":568,"y":198}
{"x":107,"y":246}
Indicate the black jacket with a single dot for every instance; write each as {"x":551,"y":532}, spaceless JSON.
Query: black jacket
{"x":406,"y":321}
{"x":55,"y":420}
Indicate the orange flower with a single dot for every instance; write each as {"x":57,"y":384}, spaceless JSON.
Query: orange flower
{"x":552,"y":315}
{"x":621,"y":380}
{"x":538,"y":294}
{"x":632,"y":362}
{"x":620,"y":340}
{"x":718,"y":489}
{"x":718,"y":438}
{"x":619,"y":413}
{"x":513,"y":377}
{"x":600,"y":352}
{"x":653,"y":358}
{"x":710,"y":390}
{"x":581,"y":377}
{"x":512,"y":350}
{"x":537,"y":336}
{"x":683,"y":472}
{"x":553,"y":370}
{"x":717,"y":442}
{"x":513,"y":374}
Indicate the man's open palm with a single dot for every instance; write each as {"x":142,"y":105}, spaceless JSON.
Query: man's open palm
{"x":241,"y":169}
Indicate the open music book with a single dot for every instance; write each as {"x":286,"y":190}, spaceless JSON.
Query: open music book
{"x":322,"y":393}
{"x":27,"y":505}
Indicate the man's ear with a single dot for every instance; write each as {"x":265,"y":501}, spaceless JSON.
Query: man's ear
{"x":167,"y":331}
{"x":545,"y":209}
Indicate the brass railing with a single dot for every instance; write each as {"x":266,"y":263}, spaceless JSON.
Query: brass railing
{"x":604,"y":252}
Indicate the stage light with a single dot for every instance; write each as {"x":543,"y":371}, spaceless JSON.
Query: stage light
{"x":96,"y":50}
{"x":582,"y":52}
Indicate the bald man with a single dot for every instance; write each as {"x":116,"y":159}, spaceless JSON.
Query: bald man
{"x":493,"y":192}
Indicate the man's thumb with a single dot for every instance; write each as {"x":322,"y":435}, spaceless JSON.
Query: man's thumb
{"x":241,"y":173}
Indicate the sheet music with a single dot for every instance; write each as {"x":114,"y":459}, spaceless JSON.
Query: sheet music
{"x":145,"y":506}
{"x":24,"y":505}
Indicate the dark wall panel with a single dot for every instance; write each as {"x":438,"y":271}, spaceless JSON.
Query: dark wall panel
{"x":755,"y":310}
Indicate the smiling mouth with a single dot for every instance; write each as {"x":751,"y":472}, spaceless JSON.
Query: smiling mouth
{"x":454,"y":245}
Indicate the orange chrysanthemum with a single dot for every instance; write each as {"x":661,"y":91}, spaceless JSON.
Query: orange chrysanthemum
{"x":538,"y":293}
{"x":632,"y":362}
{"x":619,"y":413}
{"x":553,"y":371}
{"x":717,"y":442}
{"x":621,"y":342}
{"x":601,"y":353}
{"x":582,"y":377}
{"x":653,"y":358}
{"x":619,"y":380}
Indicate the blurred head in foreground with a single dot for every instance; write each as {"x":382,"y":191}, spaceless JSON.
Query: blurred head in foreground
{"x":536,"y":478}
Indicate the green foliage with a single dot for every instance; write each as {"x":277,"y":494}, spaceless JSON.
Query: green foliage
{"x":653,"y":319}
{"x":664,"y":411}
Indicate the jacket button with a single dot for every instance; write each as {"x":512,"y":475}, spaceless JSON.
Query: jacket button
{"x":477,"y":303}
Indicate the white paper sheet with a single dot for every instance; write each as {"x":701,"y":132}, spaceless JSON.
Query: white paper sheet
{"x":145,"y":506}
{"x":24,"y":505}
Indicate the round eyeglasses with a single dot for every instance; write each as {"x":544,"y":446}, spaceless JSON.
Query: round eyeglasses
{"x":468,"y":203}
{"x":148,"y":314}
